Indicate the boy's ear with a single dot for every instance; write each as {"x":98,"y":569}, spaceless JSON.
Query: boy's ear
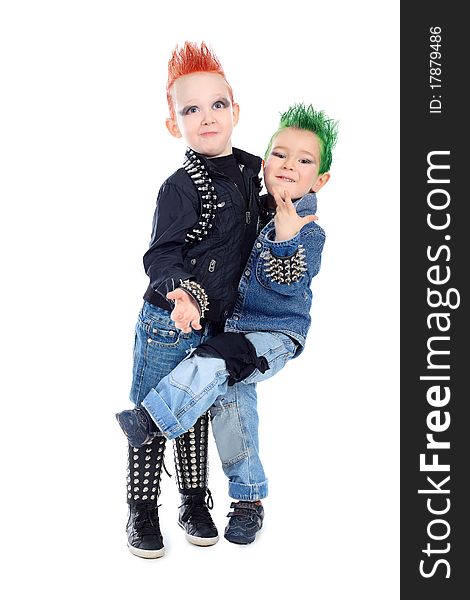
{"x":173,"y":128}
{"x":320,"y":182}
{"x":236,"y":113}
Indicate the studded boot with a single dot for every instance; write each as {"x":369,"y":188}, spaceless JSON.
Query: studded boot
{"x":191,"y":462}
{"x":143,"y":487}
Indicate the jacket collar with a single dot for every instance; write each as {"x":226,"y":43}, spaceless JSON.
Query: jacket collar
{"x":307,"y":204}
{"x":246,"y":159}
{"x":249,"y":160}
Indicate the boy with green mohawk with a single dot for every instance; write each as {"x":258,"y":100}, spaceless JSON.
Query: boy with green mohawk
{"x":268,"y":326}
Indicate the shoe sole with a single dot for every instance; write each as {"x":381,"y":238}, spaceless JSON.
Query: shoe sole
{"x":146,"y":553}
{"x":239,"y":542}
{"x":200,"y":541}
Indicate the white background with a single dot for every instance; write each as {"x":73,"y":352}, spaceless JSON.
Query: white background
{"x":83,"y":153}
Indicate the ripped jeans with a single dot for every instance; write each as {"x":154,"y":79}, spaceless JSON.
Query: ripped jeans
{"x":200,"y":383}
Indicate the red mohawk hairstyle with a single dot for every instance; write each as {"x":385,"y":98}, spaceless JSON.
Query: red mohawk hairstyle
{"x":191,"y":59}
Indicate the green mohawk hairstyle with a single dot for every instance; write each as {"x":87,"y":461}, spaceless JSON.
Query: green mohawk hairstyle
{"x":304,"y":117}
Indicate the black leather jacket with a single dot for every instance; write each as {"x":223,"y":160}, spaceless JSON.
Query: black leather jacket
{"x":217,"y":262}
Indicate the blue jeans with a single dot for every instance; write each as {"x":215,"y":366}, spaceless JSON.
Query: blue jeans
{"x":200,"y":383}
{"x":158,"y":348}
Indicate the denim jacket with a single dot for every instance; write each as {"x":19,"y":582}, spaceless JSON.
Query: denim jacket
{"x":274,"y":292}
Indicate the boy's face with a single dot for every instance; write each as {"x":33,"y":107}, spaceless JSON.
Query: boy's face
{"x":204,"y":114}
{"x":294,"y":162}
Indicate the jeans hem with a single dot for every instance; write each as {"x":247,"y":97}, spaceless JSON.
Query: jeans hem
{"x":168,"y":424}
{"x":248,"y":491}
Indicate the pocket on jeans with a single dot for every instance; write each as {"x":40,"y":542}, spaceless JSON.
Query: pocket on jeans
{"x":158,"y":348}
{"x":161,"y":333}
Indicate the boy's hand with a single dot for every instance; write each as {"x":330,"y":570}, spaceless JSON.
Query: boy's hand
{"x":286,"y":221}
{"x":186,"y":311}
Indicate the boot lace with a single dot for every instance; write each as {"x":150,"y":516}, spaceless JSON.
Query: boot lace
{"x":146,"y":521}
{"x":197,"y":511}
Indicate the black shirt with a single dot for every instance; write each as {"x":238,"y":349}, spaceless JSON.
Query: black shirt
{"x":229,"y":166}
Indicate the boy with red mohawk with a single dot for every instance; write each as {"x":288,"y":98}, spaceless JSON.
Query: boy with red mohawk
{"x":204,"y":227}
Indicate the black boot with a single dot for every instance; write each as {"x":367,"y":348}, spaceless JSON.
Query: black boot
{"x":191,"y":463}
{"x":143,"y":487}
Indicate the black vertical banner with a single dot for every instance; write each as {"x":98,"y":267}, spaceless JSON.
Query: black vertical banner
{"x":435,"y":269}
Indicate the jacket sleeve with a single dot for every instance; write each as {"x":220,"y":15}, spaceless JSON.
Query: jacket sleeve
{"x":290,"y":265}
{"x":266,"y":212}
{"x":175,"y":214}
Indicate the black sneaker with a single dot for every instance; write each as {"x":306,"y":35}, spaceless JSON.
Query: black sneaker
{"x":195,"y":519}
{"x":245,"y":521}
{"x":138,"y":426}
{"x":144,"y":537}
